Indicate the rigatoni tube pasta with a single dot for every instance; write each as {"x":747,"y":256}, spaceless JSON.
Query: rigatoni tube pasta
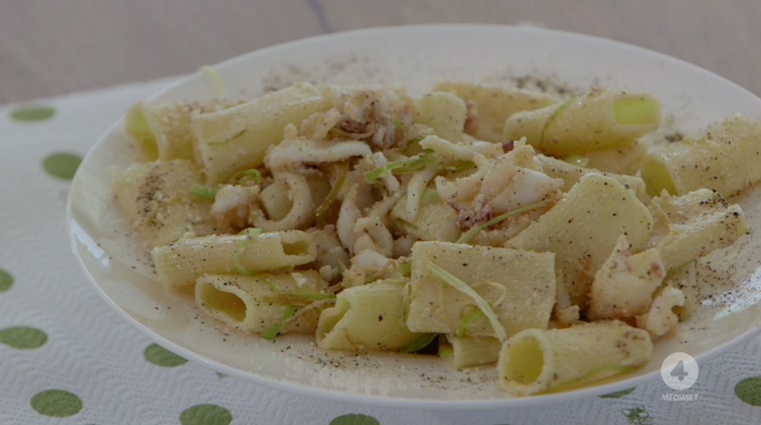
{"x":599,"y":119}
{"x":444,"y":112}
{"x":537,"y":360}
{"x":156,"y":196}
{"x":366,"y":318}
{"x":235,"y":139}
{"x":695,"y":224}
{"x":262,"y":301}
{"x":518,"y":286}
{"x":469,"y":351}
{"x":181,"y":263}
{"x":724,"y":158}
{"x":571,"y":173}
{"x":163,"y":130}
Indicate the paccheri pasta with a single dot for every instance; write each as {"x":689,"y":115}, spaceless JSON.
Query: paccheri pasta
{"x":492,"y":224}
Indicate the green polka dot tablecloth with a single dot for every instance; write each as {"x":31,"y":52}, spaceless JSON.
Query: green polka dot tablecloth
{"x":67,"y":358}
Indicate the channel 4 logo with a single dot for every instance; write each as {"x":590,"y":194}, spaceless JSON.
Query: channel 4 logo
{"x":679,"y":372}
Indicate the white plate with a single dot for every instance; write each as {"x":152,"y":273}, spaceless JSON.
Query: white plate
{"x":413,"y":57}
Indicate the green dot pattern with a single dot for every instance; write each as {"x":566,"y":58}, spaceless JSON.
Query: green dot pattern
{"x":206,"y":414}
{"x":354,"y":419}
{"x":637,"y":416}
{"x":62,"y":165}
{"x":6,"y":280}
{"x":618,"y":394}
{"x":23,"y":337}
{"x":56,"y":403}
{"x":749,"y":391}
{"x":33,"y":113}
{"x":160,"y":356}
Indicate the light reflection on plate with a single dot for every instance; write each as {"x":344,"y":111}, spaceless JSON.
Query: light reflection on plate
{"x":413,"y":57}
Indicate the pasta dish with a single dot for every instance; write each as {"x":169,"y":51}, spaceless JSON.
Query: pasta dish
{"x":555,"y":238}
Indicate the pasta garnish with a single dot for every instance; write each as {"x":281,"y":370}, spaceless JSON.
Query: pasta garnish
{"x":201,"y":193}
{"x":292,"y":313}
{"x":330,"y":199}
{"x":296,"y":297}
{"x":467,"y":321}
{"x":414,"y":164}
{"x":473,"y":231}
{"x":552,"y":117}
{"x":248,"y":176}
{"x":456,"y":283}
{"x":274,"y":331}
{"x":250,"y":235}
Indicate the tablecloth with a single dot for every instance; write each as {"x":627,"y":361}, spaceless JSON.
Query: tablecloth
{"x":67,"y":358}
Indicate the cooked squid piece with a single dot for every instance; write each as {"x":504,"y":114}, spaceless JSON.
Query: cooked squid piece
{"x":624,"y":285}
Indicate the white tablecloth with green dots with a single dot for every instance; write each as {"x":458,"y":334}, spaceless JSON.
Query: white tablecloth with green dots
{"x":67,"y":358}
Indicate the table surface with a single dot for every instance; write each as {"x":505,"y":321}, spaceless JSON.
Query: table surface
{"x":51,"y":48}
